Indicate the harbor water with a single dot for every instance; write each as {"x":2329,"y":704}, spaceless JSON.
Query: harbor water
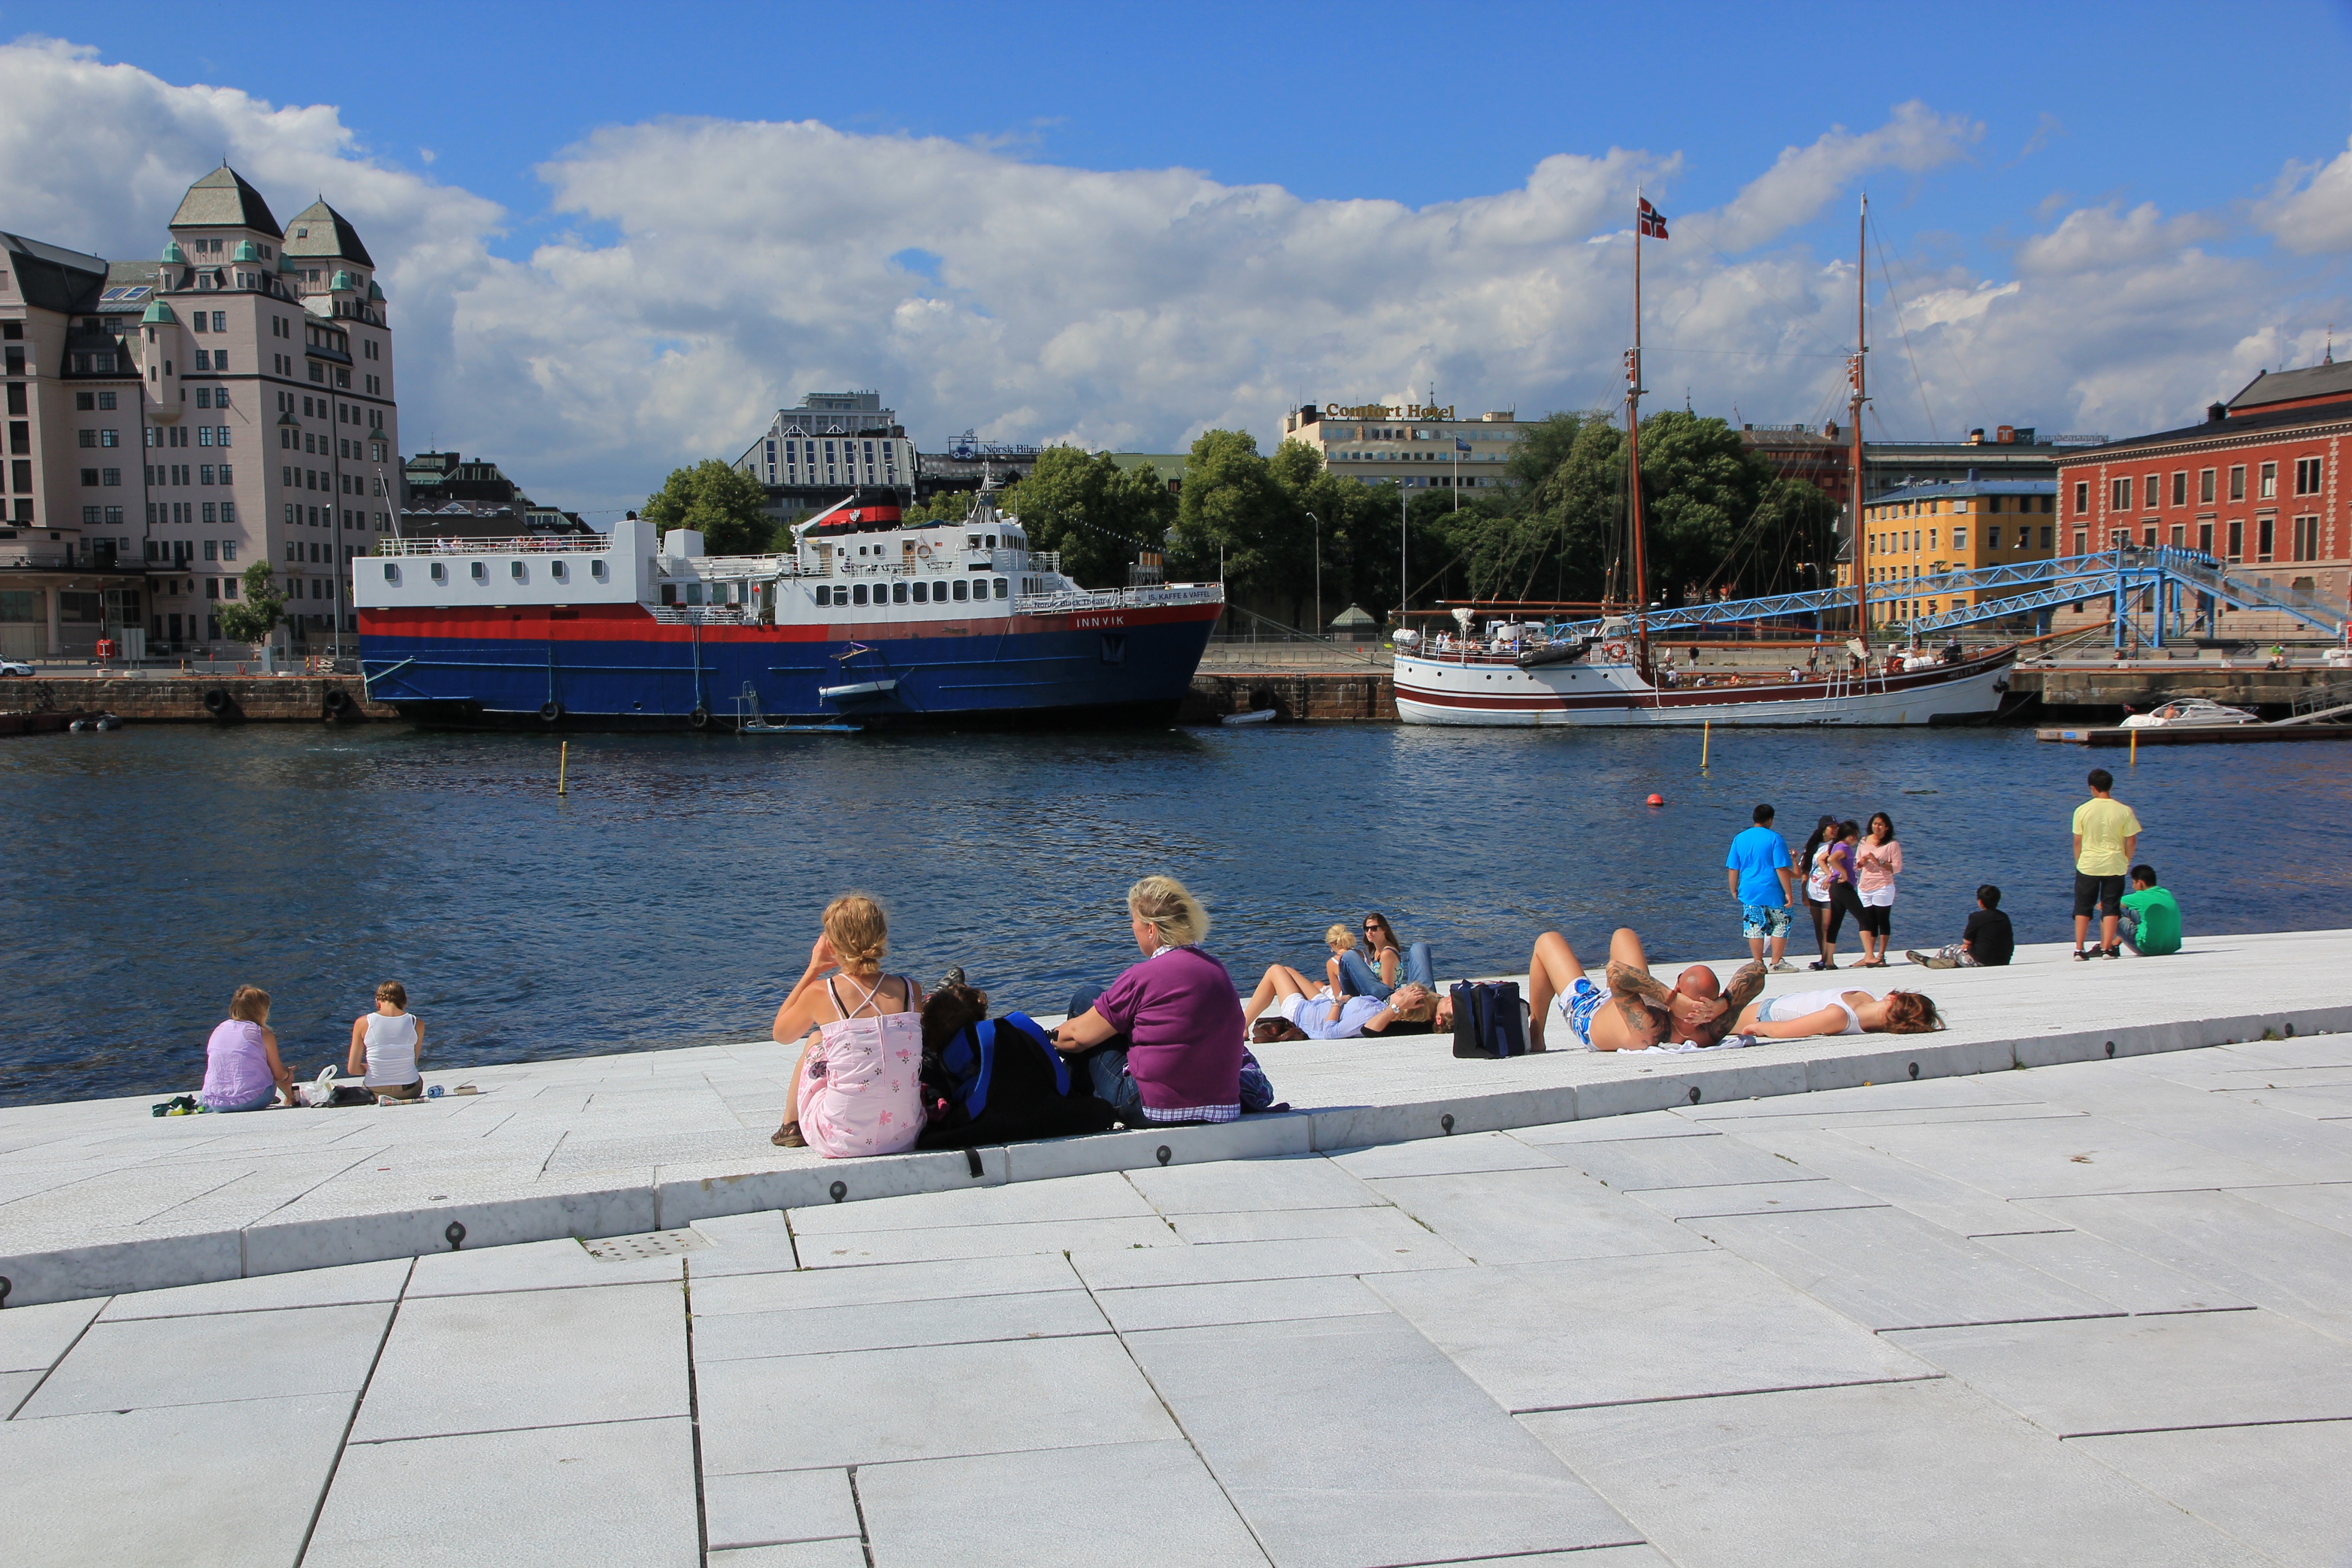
{"x":670,"y":898}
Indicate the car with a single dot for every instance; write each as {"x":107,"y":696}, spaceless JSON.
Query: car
{"x":14,"y":667}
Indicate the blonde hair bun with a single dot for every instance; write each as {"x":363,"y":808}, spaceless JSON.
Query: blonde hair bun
{"x":1340,"y":938}
{"x":859,"y":932}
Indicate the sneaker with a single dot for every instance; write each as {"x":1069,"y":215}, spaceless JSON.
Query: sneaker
{"x":2115,"y":952}
{"x":1938,"y":962}
{"x":1782,"y":966}
{"x":2081,"y":956}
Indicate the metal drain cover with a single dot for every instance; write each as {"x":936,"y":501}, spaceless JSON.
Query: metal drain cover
{"x":652,"y":1243}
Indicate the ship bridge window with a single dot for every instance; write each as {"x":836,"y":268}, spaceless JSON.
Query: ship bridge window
{"x":596,"y":569}
{"x":694,"y":593}
{"x":514,"y":570}
{"x":440,"y":572}
{"x":922,"y":592}
{"x":971,"y":542}
{"x":960,"y":590}
{"x":481,"y":572}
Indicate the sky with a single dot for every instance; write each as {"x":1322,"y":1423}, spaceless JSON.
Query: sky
{"x":616,"y":239}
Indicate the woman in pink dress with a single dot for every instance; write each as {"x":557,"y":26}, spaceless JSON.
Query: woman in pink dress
{"x":242,"y":1072}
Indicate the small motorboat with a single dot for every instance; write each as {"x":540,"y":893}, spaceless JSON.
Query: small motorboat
{"x":1254,"y":716}
{"x":2188,"y":713}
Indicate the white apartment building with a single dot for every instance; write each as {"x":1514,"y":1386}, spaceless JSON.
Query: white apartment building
{"x":252,"y":369}
{"x":833,"y":444}
{"x":1410,"y":444}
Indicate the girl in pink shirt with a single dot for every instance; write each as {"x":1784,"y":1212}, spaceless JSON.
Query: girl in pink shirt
{"x":1877,"y":861}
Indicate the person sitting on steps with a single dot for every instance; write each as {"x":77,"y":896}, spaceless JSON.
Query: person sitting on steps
{"x":2150,"y":924}
{"x":1634,"y":1011}
{"x":1986,"y":943}
{"x":849,"y":953}
{"x":1386,"y":962}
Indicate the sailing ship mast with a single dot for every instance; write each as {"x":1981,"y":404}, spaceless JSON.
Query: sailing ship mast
{"x":1633,"y":431}
{"x":1854,"y":375}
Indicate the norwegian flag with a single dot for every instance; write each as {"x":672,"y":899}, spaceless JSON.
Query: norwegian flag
{"x":1654,"y":221}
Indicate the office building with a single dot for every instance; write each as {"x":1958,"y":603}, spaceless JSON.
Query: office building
{"x":2255,"y":485}
{"x":1923,"y":529}
{"x":1412,"y":446}
{"x":834,"y":445}
{"x":251,"y":368}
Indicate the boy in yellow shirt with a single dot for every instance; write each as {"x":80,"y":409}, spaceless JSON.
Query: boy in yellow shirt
{"x":2106,"y":836}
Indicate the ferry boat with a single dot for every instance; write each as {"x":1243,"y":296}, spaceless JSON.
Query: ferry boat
{"x":866,"y":620}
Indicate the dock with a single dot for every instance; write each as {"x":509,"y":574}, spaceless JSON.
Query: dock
{"x":2068,"y":1282}
{"x":2196,"y":734}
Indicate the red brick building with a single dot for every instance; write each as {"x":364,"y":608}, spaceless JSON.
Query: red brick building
{"x":2255,"y":485}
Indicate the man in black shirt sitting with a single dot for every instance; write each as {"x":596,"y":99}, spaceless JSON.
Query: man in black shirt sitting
{"x":1986,"y":943}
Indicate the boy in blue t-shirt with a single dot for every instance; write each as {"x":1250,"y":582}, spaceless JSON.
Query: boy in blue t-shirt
{"x":1761,"y":878}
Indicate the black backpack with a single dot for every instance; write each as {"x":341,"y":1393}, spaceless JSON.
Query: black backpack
{"x":1487,"y":1019}
{"x":999,"y":1081}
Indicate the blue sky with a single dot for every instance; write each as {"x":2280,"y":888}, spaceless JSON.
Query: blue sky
{"x":2157,"y":153}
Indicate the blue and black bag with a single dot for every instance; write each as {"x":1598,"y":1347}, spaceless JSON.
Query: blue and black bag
{"x":1488,"y":1019}
{"x":1000,"y":1080}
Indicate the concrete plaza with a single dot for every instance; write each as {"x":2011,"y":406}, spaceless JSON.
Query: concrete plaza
{"x":2093,"y":1312}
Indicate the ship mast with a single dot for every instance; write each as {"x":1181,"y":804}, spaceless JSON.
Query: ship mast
{"x":1854,"y":375}
{"x":1633,"y":432}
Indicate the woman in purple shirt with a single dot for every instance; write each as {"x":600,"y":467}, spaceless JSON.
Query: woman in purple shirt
{"x":1164,"y":1042}
{"x":242,"y":1072}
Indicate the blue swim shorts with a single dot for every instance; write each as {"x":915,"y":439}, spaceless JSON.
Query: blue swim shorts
{"x":1763,"y":920}
{"x":1577,"y":1005}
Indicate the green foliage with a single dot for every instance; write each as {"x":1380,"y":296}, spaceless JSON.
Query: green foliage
{"x":725,"y":506}
{"x":1095,"y":513}
{"x":252,"y":618}
{"x":948,"y":506}
{"x":1700,"y":488}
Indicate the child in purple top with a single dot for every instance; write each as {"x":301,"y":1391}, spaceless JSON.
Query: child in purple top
{"x":1170,"y":1028}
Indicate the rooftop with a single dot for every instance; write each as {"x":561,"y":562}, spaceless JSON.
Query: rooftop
{"x":223,"y":200}
{"x":319,"y":230}
{"x":2255,"y":421}
{"x":2321,"y":380}
{"x":1972,"y":486}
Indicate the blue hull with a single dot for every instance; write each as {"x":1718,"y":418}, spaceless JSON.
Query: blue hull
{"x":629,"y":674}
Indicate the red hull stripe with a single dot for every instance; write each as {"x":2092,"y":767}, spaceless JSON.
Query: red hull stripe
{"x":631,"y":623}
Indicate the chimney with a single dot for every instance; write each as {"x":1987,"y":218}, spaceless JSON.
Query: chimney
{"x":2216,"y":412}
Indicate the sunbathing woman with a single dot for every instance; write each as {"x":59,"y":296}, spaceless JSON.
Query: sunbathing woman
{"x":1802,"y":1013}
{"x":1326,"y":1015}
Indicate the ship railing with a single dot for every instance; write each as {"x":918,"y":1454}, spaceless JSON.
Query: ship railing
{"x":536,"y":545}
{"x":1082,"y":601}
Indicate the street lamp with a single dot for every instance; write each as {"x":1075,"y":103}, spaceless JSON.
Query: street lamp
{"x":1318,"y":572}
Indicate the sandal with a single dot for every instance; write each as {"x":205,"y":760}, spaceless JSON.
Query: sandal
{"x":788,"y":1136}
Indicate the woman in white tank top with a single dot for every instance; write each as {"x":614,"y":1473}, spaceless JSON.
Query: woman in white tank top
{"x":388,"y":1046}
{"x":1802,"y":1013}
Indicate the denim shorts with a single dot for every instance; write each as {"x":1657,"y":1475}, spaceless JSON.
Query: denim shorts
{"x":1764,"y":919}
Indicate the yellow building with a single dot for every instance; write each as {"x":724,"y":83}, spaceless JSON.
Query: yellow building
{"x":1409,"y":445}
{"x":1917,"y":533}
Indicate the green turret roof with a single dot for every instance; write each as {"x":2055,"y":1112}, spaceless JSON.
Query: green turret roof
{"x":173,"y":255}
{"x":159,"y":314}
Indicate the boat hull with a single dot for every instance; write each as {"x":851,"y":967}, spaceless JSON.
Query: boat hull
{"x":618,"y":668}
{"x":1497,"y":692}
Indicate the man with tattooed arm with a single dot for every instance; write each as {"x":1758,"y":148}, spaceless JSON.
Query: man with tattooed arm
{"x":1632,"y":1011}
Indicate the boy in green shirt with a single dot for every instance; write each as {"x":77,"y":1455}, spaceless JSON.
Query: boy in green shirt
{"x":2151,"y":919}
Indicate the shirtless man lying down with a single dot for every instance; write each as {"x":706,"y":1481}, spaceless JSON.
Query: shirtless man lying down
{"x":1632,"y":1011}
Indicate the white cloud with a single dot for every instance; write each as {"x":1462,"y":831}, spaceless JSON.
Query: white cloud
{"x":723,"y":269}
{"x":2310,"y":208}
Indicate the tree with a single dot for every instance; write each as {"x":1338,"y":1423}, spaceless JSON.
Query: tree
{"x":727,"y":507}
{"x":252,"y":618}
{"x":1700,"y":487}
{"x":1095,"y":513}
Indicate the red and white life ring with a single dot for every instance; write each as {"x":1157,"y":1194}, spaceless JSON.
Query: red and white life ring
{"x":1615,"y":650}
{"x":923,"y":550}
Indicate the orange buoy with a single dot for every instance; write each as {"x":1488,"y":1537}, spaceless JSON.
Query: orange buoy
{"x":1657,"y":800}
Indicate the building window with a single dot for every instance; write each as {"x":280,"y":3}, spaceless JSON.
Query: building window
{"x":2082,"y":497}
{"x":2269,"y":483}
{"x":2204,"y":487}
{"x":1959,"y":538}
{"x":2119,"y":493}
{"x":2153,"y":493}
{"x":2306,"y":530}
{"x":2264,"y":527}
{"x":2306,"y":481}
{"x":2238,"y":482}
{"x":2205,"y":533}
{"x":2237,"y":538}
{"x":2180,"y":488}
{"x":2081,"y":544}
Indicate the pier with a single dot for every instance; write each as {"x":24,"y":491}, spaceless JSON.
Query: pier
{"x":2065,"y":1283}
